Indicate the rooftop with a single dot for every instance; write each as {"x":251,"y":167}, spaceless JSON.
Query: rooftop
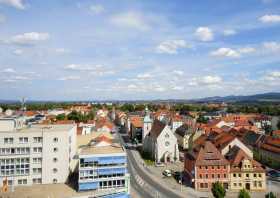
{"x":44,"y":128}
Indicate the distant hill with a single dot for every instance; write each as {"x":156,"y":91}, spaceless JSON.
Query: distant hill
{"x":265,"y":97}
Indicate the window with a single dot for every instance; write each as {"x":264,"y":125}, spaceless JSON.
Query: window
{"x":37,"y":160}
{"x":167,"y":143}
{"x":54,"y":181}
{"x":166,"y":135}
{"x":55,"y":149}
{"x":54,"y":159}
{"x":247,"y":175}
{"x":234,"y":175}
{"x":213,"y":175}
{"x":55,"y":170}
{"x":37,"y":150}
{"x":225,"y":176}
{"x":260,"y":184}
{"x":240,"y":184}
{"x":37,"y":139}
{"x":8,"y":140}
{"x":23,"y":140}
{"x":239,"y":174}
{"x":260,"y":175}
{"x":213,"y":167}
{"x":206,"y":167}
{"x":55,"y":139}
{"x":37,"y":180}
{"x":200,"y":176}
{"x":22,"y":181}
{"x":206,"y":176}
{"x":234,"y":184}
{"x":37,"y":170}
{"x":255,"y":175}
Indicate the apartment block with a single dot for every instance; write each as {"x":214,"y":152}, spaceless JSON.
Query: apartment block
{"x":36,"y":154}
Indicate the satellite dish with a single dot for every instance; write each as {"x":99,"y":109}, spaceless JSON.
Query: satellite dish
{"x":8,"y":112}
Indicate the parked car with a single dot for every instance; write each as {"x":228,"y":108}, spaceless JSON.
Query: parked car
{"x":178,"y":176}
{"x":167,"y":173}
{"x":274,"y":174}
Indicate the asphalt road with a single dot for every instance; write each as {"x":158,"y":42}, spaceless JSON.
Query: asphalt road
{"x":133,"y":166}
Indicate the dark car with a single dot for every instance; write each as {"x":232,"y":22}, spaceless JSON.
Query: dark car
{"x":274,"y":174}
{"x":178,"y":176}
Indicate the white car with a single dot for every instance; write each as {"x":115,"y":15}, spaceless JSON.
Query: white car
{"x":167,"y":173}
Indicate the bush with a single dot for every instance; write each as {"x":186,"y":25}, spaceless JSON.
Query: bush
{"x":218,"y":190}
{"x":270,"y":195}
{"x":243,"y":194}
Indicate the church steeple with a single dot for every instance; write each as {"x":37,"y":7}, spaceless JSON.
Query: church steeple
{"x":147,"y":122}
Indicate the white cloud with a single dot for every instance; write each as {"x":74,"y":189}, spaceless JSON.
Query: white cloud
{"x":229,"y":32}
{"x":272,"y":46}
{"x":210,"y":79}
{"x":130,"y":20}
{"x":177,"y":88}
{"x":2,"y":18}
{"x":29,"y":38}
{"x":204,"y":34}
{"x":97,"y":9}
{"x":270,"y":18}
{"x":18,"y":52}
{"x":61,"y":50}
{"x":77,"y":67}
{"x":178,"y":72}
{"x":65,"y":78}
{"x":225,"y":52}
{"x":272,"y":76}
{"x":9,"y":70}
{"x":18,"y":4}
{"x":144,"y":76}
{"x":246,"y":50}
{"x":132,"y":86}
{"x":171,"y":46}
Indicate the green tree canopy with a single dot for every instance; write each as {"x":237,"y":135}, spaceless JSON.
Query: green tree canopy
{"x":218,"y":190}
{"x":243,"y":194}
{"x":61,"y":116}
{"x":270,"y":195}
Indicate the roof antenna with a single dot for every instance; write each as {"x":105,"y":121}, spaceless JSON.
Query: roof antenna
{"x":23,"y":101}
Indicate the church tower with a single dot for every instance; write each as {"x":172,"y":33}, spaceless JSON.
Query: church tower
{"x":147,"y":124}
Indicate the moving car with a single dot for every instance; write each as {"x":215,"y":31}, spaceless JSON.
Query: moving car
{"x":178,"y":176}
{"x":274,"y":175}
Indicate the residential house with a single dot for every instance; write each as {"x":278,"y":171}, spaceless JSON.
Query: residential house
{"x":245,"y":172}
{"x":186,"y":135}
{"x":205,"y":166}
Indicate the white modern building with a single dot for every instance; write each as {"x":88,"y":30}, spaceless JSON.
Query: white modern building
{"x":36,"y":154}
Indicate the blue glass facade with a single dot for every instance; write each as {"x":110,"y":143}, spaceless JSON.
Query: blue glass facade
{"x":103,"y":172}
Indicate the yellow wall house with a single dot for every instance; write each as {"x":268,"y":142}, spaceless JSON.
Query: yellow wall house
{"x":245,"y":173}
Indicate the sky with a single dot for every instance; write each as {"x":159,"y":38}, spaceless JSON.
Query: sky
{"x":132,"y":49}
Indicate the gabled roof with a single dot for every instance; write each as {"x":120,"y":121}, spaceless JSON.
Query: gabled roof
{"x":237,"y":155}
{"x":157,"y":128}
{"x":183,"y":130}
{"x":209,"y":155}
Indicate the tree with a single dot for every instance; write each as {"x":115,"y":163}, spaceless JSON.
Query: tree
{"x":202,"y":119}
{"x":61,"y":116}
{"x":243,"y":194}
{"x":270,"y":195}
{"x":218,"y":190}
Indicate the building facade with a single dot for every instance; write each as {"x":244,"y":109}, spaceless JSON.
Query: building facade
{"x":38,"y":154}
{"x":103,"y":166}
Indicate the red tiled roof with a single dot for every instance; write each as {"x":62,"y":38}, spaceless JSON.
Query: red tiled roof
{"x":210,"y":155}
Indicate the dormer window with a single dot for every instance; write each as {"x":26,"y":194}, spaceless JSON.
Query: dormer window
{"x":166,"y":135}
